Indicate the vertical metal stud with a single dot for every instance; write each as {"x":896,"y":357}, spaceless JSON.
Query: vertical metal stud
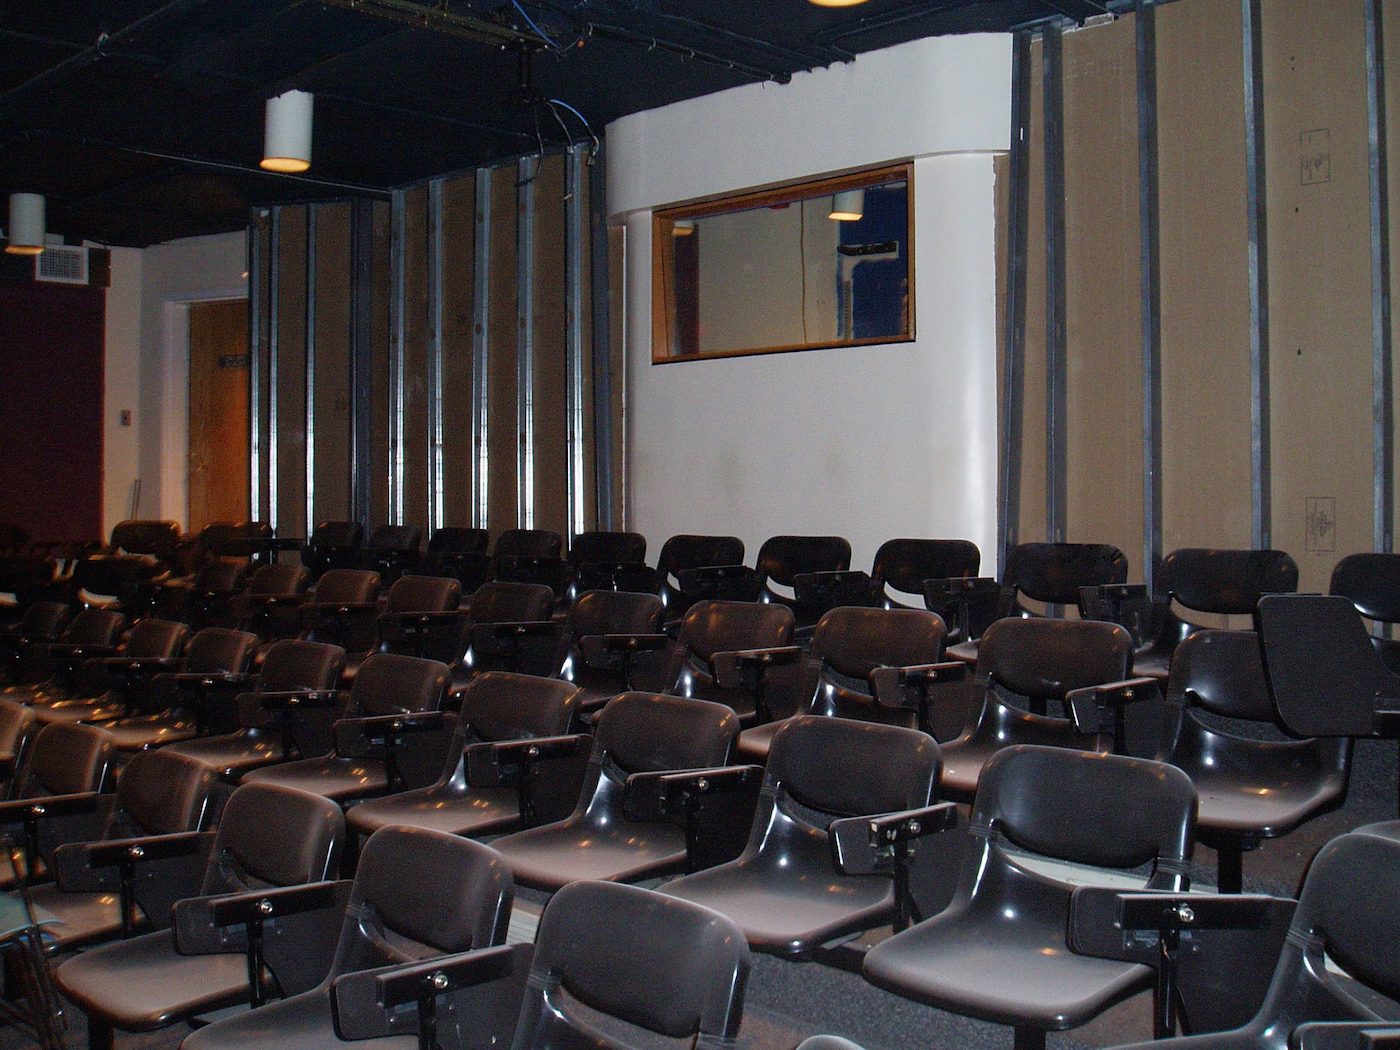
{"x":361,"y":357}
{"x":1260,"y":470}
{"x":436,"y":473}
{"x":397,"y":350}
{"x":603,"y":467}
{"x":274,"y":294}
{"x":310,"y":367}
{"x":1018,"y":238}
{"x":481,"y":348}
{"x":1382,"y":398}
{"x":573,"y":281}
{"x":1149,"y":240}
{"x":257,"y":309}
{"x":1056,"y":394}
{"x":526,"y":170}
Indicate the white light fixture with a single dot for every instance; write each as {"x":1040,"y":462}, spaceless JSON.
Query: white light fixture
{"x":836,"y":3}
{"x":682,"y":227}
{"x":848,"y":205}
{"x":26,"y":224}
{"x":287,"y":132}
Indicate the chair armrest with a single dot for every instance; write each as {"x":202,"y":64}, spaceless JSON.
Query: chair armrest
{"x":908,"y":686}
{"x":114,"y":852}
{"x":227,"y":678}
{"x":1346,"y":1035}
{"x":33,"y":809}
{"x":490,"y":764}
{"x":220,"y":923}
{"x":62,"y":650}
{"x":733,"y":668}
{"x":284,"y":701}
{"x":871,"y":845}
{"x":667,"y":796}
{"x":597,"y":649}
{"x":1098,"y":708}
{"x":506,"y":630}
{"x":371,"y":1003}
{"x":382,"y":727}
{"x":1127,"y":925}
{"x":137,"y":663}
{"x":334,"y":608}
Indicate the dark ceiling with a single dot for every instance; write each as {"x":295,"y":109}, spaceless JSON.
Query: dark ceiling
{"x":141,"y":120}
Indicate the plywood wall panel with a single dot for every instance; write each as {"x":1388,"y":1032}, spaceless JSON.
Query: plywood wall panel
{"x":1319,"y":276}
{"x":458,"y":282}
{"x":1032,"y":519}
{"x":1104,"y":316}
{"x":503,"y":436}
{"x":415,"y":359}
{"x":550,"y":381}
{"x":1204,"y":276}
{"x":379,"y":368}
{"x":332,"y":373}
{"x":291,"y":373}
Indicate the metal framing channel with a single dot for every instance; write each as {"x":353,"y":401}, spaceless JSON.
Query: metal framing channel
{"x":1018,"y":237}
{"x":1382,"y":402}
{"x":1150,"y":245}
{"x":602,"y":340}
{"x":526,"y":169}
{"x":397,"y":318}
{"x":310,"y":367}
{"x":573,"y":281}
{"x":481,"y":347}
{"x":1261,"y":482}
{"x":274,"y":292}
{"x":257,"y":235}
{"x":1056,"y":394}
{"x":437,"y":479}
{"x":361,"y":356}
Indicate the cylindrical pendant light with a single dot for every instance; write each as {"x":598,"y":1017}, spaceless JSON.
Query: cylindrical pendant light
{"x":848,"y":205}
{"x":287,"y":132}
{"x":26,"y":224}
{"x":836,"y":3}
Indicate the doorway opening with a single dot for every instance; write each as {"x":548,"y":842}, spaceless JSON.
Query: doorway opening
{"x":218,"y":412}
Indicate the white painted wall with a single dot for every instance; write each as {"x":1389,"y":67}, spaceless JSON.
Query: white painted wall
{"x":868,"y":442}
{"x":174,"y":275}
{"x":122,"y":371}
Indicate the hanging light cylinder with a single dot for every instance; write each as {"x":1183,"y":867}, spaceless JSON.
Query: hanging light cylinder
{"x":287,"y":132}
{"x":26,"y":230}
{"x":848,"y":205}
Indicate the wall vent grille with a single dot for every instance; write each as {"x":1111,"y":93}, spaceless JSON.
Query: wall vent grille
{"x":62,"y":263}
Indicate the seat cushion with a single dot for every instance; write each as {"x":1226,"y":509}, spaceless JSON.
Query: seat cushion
{"x":341,"y":779}
{"x":83,"y":917}
{"x":144,"y":984}
{"x":302,"y":1022}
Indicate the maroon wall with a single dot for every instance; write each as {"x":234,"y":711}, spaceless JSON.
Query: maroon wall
{"x":51,"y":343}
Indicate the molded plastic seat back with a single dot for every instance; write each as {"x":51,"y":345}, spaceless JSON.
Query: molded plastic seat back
{"x":783,"y":557}
{"x":424,"y":594}
{"x":1226,"y":582}
{"x":589,"y":547}
{"x":158,"y":539}
{"x":388,"y":684}
{"x":905,"y":564}
{"x":163,"y":792}
{"x":1054,"y":572}
{"x":1045,"y":658}
{"x":215,"y":650}
{"x":662,"y":964}
{"x":352,"y":586}
{"x":647,"y":732}
{"x":66,"y":758}
{"x":501,"y":601}
{"x":846,"y":768}
{"x":855,"y":641}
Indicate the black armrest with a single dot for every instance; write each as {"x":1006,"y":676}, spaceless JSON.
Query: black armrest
{"x":506,"y":630}
{"x":597,"y":648}
{"x":1346,"y":1035}
{"x":137,"y":663}
{"x":489,"y":764}
{"x":27,"y":809}
{"x":1110,"y":923}
{"x":194,"y":679}
{"x":382,"y":727}
{"x":283,"y":701}
{"x":115,"y":852}
{"x":669,"y":795}
{"x":63,"y":651}
{"x":420,"y":619}
{"x":868,"y":845}
{"x":401,"y":1000}
{"x":1099,"y":708}
{"x":237,"y":909}
{"x":736,"y":669}
{"x":908,"y":687}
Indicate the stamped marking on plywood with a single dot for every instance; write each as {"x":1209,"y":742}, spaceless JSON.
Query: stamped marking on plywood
{"x":1321,"y":523}
{"x":1315,"y":156}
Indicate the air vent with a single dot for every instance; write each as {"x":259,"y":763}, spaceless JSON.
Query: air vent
{"x":62,"y":263}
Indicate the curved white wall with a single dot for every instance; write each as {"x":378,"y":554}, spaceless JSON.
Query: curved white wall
{"x":868,"y":442}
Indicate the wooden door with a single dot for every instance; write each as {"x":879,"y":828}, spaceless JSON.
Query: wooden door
{"x":218,"y":463}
